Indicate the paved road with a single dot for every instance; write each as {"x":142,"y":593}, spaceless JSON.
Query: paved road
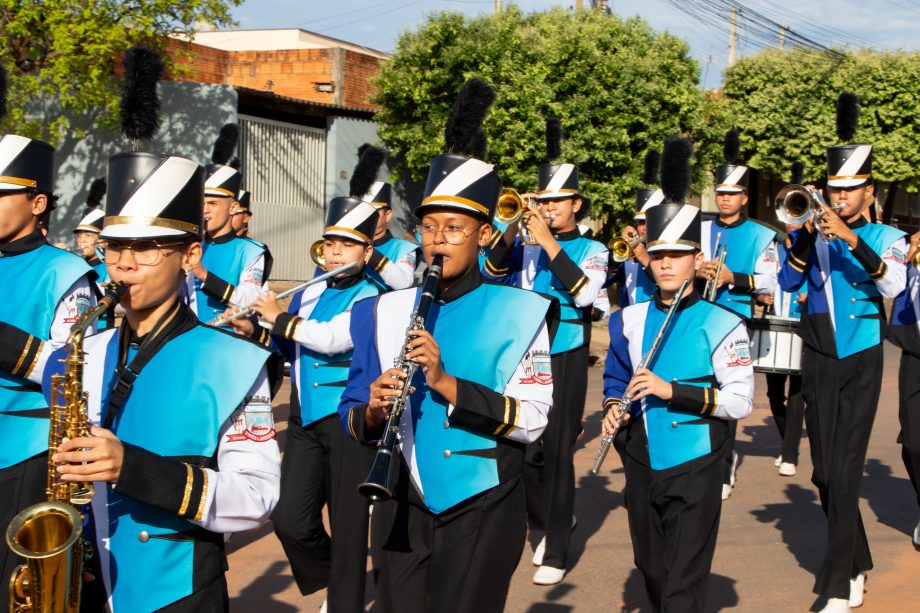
{"x":770,"y":541}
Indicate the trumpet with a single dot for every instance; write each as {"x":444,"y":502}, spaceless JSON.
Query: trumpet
{"x":622,"y":248}
{"x":316,"y":254}
{"x":622,"y":406}
{"x":796,"y":204}
{"x":512,"y":207}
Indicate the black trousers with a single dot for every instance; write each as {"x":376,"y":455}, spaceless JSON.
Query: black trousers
{"x":729,"y":452}
{"x":21,"y":485}
{"x":460,"y":561}
{"x":674,"y":522}
{"x":551,"y":486}
{"x":909,"y":416}
{"x":842,"y":398}
{"x":322,"y":465}
{"x":788,"y":412}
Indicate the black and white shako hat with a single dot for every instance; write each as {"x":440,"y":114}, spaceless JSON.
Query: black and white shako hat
{"x":673,"y":227}
{"x":731,"y":177}
{"x":26,"y":163}
{"x":462,"y":184}
{"x":244,"y":202}
{"x":91,"y":222}
{"x":351,"y":218}
{"x":380,"y":195}
{"x":557,"y":181}
{"x":646,"y":199}
{"x":848,"y":165}
{"x":222,"y":181}
{"x":153,"y":196}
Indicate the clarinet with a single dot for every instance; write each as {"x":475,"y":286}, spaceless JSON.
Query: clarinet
{"x":623,"y":405}
{"x":378,"y":486}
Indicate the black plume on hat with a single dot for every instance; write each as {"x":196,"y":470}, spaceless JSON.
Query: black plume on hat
{"x":2,"y":93}
{"x":362,"y":149}
{"x":847,"y":115}
{"x":732,"y":147}
{"x":675,"y":168}
{"x":553,"y":138}
{"x":225,"y":144}
{"x":140,"y":101}
{"x":235,"y":163}
{"x":366,"y":170}
{"x":798,"y":173}
{"x":96,"y":193}
{"x":465,"y":117}
{"x":650,"y":170}
{"x":480,"y":145}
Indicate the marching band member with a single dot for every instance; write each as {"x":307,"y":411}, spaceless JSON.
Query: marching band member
{"x":49,"y":289}
{"x":572,"y":269}
{"x":86,"y":234}
{"x":393,"y":260}
{"x":905,"y":333}
{"x":322,"y":464}
{"x":239,"y":219}
{"x":232,"y":270}
{"x":451,"y":538}
{"x":632,"y":275}
{"x":749,"y":266}
{"x":673,"y":441}
{"x":848,"y":272}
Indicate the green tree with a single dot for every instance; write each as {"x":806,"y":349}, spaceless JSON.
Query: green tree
{"x":61,"y":54}
{"x":619,"y":88}
{"x":784,"y":105}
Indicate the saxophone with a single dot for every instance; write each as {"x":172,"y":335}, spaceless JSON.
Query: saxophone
{"x":49,"y":534}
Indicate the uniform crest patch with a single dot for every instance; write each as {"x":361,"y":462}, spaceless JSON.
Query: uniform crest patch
{"x":537,"y":368}
{"x":739,"y":354}
{"x":254,"y":422}
{"x":75,"y":305}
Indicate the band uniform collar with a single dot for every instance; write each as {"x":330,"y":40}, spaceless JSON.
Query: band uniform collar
{"x":741,"y":219}
{"x":859,"y":223}
{"x":469,"y":281}
{"x":692,"y":298}
{"x":223,"y":238}
{"x":383,"y":239}
{"x":567,"y":236}
{"x":22,"y":245}
{"x":345,"y":282}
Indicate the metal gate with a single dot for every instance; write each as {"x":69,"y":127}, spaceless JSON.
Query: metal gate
{"x":284,"y":168}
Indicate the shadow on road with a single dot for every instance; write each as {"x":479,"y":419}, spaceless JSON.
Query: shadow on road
{"x":801,"y":524}
{"x":258,"y":595}
{"x":720,"y":595}
{"x":891,"y":498}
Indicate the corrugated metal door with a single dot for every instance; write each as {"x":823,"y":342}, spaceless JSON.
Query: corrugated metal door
{"x":284,"y":168}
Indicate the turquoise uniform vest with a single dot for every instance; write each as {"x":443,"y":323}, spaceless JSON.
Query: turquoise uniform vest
{"x":37,"y":281}
{"x":702,"y":327}
{"x":745,"y":243}
{"x":394,"y":250}
{"x":177,"y":407}
{"x":321,"y":377}
{"x":572,"y":325}
{"x":857,"y":302}
{"x":227,"y":261}
{"x":471,"y":467}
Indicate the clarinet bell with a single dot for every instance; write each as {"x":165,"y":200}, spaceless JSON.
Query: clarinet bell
{"x":377,"y":487}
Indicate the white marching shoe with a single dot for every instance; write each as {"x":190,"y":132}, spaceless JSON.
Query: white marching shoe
{"x":857,"y":587}
{"x":547,"y":575}
{"x":540,"y":550}
{"x":324,"y":606}
{"x":836,"y":605}
{"x":787,"y":469}
{"x":726,"y":491}
{"x":778,"y":461}
{"x":917,"y":536}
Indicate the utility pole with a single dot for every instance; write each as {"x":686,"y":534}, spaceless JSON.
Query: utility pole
{"x":498,"y":6}
{"x":732,"y":37}
{"x":579,"y":4}
{"x":782,"y":37}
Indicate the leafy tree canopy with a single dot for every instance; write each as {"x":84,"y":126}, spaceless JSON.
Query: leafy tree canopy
{"x":60,"y":54}
{"x":618,"y":87}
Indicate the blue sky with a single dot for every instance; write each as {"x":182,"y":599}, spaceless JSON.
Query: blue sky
{"x":884,"y":24}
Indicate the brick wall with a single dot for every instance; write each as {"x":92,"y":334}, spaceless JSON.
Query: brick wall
{"x":292,"y":72}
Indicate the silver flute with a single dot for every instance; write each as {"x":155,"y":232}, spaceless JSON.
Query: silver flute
{"x":622,"y":406}
{"x":219,"y":321}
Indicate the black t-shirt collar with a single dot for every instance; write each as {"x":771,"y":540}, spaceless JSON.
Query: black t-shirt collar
{"x":692,"y":298}
{"x":25,"y":244}
{"x":470,"y":280}
{"x":386,"y":237}
{"x":741,"y":219}
{"x":223,"y":238}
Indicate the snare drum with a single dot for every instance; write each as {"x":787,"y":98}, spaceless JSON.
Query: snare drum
{"x":775,"y":346}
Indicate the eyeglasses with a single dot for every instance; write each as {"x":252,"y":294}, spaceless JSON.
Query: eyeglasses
{"x":453,"y":235}
{"x":146,"y":253}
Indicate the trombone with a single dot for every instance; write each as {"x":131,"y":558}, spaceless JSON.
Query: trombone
{"x":796,"y":204}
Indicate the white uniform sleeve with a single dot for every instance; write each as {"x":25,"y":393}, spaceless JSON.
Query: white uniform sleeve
{"x":251,"y":283}
{"x":328,"y":337}
{"x":894,"y":280}
{"x":734,"y":373}
{"x":76,"y":301}
{"x":595,"y":269}
{"x":242,"y":493}
{"x":401,"y":273}
{"x":765,"y":271}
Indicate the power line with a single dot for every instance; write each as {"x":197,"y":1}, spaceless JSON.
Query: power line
{"x":373,"y":16}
